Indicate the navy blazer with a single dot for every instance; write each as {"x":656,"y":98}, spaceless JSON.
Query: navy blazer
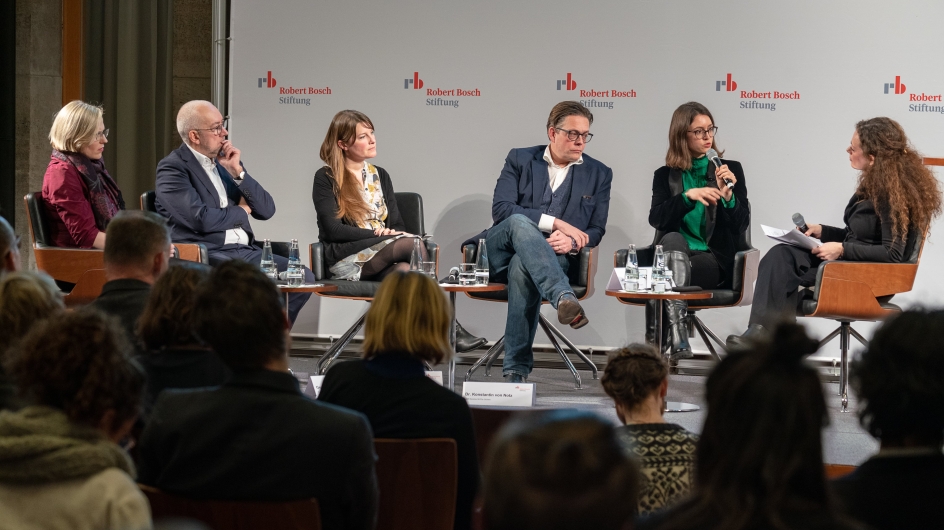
{"x":185,"y":195}
{"x":524,"y":179}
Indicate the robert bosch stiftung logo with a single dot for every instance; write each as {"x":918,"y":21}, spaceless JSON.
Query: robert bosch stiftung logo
{"x":607,"y":96}
{"x":754,"y":99}
{"x":287,"y":93}
{"x":440,"y":97}
{"x":916,"y":101}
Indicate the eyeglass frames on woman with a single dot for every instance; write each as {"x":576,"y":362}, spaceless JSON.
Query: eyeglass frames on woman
{"x":701,"y":134}
{"x":218,"y":130}
{"x":573,"y":135}
{"x":101,"y":135}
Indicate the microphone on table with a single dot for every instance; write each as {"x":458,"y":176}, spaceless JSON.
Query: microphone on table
{"x":453,"y":276}
{"x":713,"y":156}
{"x":800,"y":222}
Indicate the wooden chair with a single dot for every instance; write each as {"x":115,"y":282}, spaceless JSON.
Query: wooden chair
{"x":411,"y":209}
{"x":66,"y":265}
{"x":837,"y":470}
{"x":418,"y":481}
{"x":236,"y":515}
{"x":87,"y":289}
{"x":741,"y":293}
{"x":582,"y":289}
{"x":186,"y":251}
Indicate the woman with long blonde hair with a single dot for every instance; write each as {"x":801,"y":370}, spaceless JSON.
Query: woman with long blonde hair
{"x":895,"y":200}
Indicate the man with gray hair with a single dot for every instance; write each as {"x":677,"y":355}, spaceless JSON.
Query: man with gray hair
{"x":205,"y":191}
{"x":137,"y":251}
{"x":9,"y":248}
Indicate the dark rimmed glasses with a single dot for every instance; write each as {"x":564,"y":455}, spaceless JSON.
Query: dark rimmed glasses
{"x":573,"y":135}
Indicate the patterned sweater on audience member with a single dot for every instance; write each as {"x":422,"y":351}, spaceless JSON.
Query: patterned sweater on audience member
{"x":666,"y":456}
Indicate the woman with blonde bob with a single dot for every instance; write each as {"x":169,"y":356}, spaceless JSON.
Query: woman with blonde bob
{"x":408,"y":325}
{"x":80,"y":196}
{"x":359,"y":223}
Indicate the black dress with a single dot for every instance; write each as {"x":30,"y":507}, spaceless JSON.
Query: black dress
{"x":401,"y":402}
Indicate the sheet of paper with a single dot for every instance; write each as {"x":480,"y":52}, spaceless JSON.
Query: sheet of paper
{"x":792,"y":237}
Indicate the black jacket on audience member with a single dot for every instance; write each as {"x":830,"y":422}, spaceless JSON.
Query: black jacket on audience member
{"x":181,"y":368}
{"x":891,"y":492}
{"x":401,"y":402}
{"x":258,"y":438}
{"x":124,"y":299}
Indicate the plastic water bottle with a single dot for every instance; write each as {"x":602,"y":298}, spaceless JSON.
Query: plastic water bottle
{"x":416,"y":258}
{"x":658,"y":269}
{"x":631,"y":274}
{"x":268,"y":264}
{"x":295,"y":274}
{"x":481,"y":265}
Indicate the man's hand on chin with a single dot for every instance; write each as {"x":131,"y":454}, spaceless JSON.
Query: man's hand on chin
{"x":229,"y":158}
{"x":580,"y":237}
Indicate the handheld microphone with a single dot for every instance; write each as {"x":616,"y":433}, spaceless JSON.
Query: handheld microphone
{"x":800,"y":222}
{"x":454,"y":273}
{"x":716,"y":160}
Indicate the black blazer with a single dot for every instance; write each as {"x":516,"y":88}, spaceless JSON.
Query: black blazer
{"x":866,"y":237}
{"x":339,"y":237}
{"x":723,"y":226}
{"x":401,"y":402}
{"x":258,"y":438}
{"x":180,"y":368}
{"x":124,"y":299}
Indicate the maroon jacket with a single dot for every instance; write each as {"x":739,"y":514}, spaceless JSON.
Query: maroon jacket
{"x":68,"y":210}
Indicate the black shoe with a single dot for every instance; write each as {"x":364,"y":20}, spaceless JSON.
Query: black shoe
{"x":755,"y":332}
{"x":569,"y":312}
{"x":678,"y":330}
{"x":515,"y":378}
{"x":465,"y":341}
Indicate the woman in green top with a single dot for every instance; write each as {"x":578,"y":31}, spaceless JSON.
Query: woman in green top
{"x":699,"y":216}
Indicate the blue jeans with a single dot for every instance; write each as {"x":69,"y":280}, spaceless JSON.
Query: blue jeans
{"x":519,"y":256}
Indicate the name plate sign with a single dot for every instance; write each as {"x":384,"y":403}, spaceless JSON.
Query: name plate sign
{"x":435,"y":376}
{"x":499,"y":394}
{"x":313,"y":388}
{"x":618,"y":276}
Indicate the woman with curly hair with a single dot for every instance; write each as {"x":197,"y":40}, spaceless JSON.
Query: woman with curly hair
{"x":888,"y":215}
{"x":637,"y":378}
{"x":900,"y":383}
{"x":60,"y":462}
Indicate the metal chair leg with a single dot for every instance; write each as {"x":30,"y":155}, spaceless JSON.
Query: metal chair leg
{"x":859,"y":337}
{"x":844,"y":337}
{"x":494,"y":357}
{"x":570,"y":365}
{"x":574,"y":349}
{"x":489,"y":356}
{"x":335,"y":350}
{"x":707,"y":335}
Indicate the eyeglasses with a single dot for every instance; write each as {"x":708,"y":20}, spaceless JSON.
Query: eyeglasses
{"x":101,"y":135}
{"x":573,"y":135}
{"x":218,"y":130}
{"x":701,"y":134}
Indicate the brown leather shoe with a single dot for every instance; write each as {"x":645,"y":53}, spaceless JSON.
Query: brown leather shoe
{"x":569,"y":312}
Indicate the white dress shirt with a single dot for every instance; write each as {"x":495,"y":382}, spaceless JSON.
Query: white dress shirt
{"x":234,"y":235}
{"x":555,"y":177}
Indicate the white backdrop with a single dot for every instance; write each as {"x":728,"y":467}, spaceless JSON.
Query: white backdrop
{"x":841,"y":58}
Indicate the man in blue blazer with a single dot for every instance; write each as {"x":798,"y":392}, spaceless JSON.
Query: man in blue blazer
{"x":207,"y":195}
{"x":550,"y":202}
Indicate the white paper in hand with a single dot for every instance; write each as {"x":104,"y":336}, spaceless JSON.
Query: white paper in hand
{"x":792,"y":237}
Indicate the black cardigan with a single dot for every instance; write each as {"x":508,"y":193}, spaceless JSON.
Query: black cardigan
{"x":401,"y":402}
{"x":339,"y":237}
{"x":723,"y":225}
{"x":866,"y":237}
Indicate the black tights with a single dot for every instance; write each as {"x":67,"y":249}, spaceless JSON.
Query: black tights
{"x":395,"y":256}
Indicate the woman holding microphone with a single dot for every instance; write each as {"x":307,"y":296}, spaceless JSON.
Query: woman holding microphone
{"x":702,"y":211}
{"x":895,"y":200}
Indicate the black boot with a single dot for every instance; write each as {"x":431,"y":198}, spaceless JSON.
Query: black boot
{"x":651,"y":322}
{"x":677,"y":310}
{"x":465,"y":341}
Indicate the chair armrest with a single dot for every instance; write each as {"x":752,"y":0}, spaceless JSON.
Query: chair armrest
{"x":644,"y":256}
{"x":468,"y":253}
{"x":192,"y":252}
{"x":882,"y":279}
{"x":745,"y":274}
{"x":432,"y":250}
{"x":316,"y":260}
{"x":67,"y":264}
{"x":281,"y":248}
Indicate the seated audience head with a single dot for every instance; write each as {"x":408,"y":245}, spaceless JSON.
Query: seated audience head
{"x":900,"y":381}
{"x":690,"y":135}
{"x":350,"y":138}
{"x":568,"y":130}
{"x":26,"y":298}
{"x":894,"y":174}
{"x":76,"y":129}
{"x":637,"y":378}
{"x":80,"y":363}
{"x":760,"y":451}
{"x":201,"y":126}
{"x":558,"y":470}
{"x":168,"y":317}
{"x":409,"y":315}
{"x":9,"y":248}
{"x":239,"y":313}
{"x":137,"y":245}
